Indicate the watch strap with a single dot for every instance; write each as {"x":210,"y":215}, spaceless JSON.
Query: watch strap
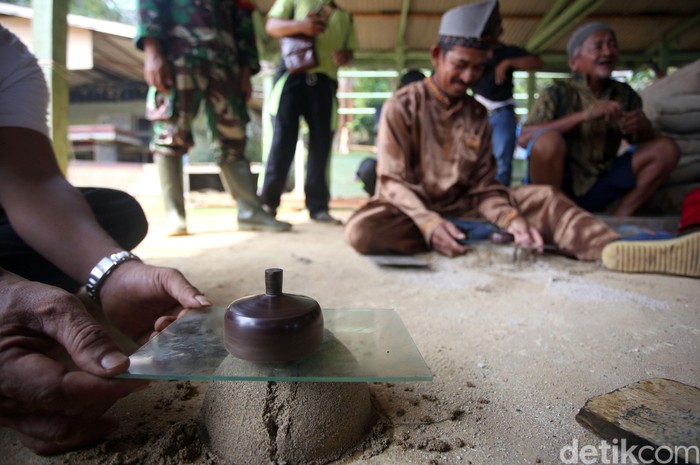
{"x":104,"y":268}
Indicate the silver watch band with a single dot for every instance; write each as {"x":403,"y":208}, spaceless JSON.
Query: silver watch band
{"x":104,"y":267}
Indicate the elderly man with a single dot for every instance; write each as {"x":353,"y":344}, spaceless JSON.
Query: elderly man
{"x":575,"y":128}
{"x":436,"y":168}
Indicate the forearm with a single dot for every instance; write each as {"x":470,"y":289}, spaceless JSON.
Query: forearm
{"x":64,"y":231}
{"x":526,"y":63}
{"x":562,"y":125}
{"x":44,"y":209}
{"x":277,"y":27}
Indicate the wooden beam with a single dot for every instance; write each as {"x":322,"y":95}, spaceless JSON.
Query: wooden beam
{"x":674,"y":34}
{"x":562,"y":24}
{"x":50,"y":41}
{"x":400,"y":57}
{"x":549,"y":17}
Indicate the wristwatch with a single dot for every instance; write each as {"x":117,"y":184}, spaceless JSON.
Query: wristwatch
{"x":103,"y":269}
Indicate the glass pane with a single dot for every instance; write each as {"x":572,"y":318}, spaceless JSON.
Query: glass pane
{"x":359,"y":345}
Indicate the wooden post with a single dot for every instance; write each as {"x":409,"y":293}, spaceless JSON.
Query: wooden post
{"x":49,"y":38}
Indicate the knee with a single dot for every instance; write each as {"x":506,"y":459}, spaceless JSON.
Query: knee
{"x":548,"y":146}
{"x":357,"y":237}
{"x":669,"y":152}
{"x":661,"y":155}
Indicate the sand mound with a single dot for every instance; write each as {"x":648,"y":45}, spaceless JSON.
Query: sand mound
{"x":311,"y":423}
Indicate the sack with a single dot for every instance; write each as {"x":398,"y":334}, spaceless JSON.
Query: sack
{"x":298,"y":53}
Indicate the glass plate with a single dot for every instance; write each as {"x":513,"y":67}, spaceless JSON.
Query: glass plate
{"x":359,"y":345}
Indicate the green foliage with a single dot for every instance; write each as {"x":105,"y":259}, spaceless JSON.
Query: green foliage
{"x":362,"y":126}
{"x":100,"y":9}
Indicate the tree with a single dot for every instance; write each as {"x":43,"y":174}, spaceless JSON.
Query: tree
{"x":110,"y":10}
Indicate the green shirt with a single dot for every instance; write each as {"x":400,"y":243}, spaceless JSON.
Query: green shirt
{"x":339,"y":35}
{"x":592,"y":145}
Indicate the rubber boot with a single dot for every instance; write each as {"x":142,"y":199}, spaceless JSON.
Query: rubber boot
{"x":236,"y":176}
{"x":171,"y":186}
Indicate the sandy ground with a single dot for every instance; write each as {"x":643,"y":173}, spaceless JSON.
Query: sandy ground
{"x":516,"y":344}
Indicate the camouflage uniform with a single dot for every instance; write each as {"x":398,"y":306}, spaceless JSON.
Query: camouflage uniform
{"x":206,"y":43}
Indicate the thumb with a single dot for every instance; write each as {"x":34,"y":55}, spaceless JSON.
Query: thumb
{"x":86,"y":342}
{"x":180,"y":288}
{"x":454,"y":230}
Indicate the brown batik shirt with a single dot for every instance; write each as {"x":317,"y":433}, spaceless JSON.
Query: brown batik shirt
{"x":435,"y":159}
{"x":592,"y":145}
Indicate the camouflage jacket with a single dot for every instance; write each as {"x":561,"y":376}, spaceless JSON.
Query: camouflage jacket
{"x":216,"y":30}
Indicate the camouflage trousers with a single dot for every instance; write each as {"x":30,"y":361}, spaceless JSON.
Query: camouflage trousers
{"x":200,"y":82}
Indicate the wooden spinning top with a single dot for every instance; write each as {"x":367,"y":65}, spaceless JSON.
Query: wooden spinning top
{"x":273,"y":327}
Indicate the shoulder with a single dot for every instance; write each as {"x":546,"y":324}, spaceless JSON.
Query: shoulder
{"x":283,"y":9}
{"x":23,"y":87}
{"x":405,"y":101}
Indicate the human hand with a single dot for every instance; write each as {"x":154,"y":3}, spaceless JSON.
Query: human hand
{"x":525,"y":235}
{"x":53,"y":409}
{"x":246,"y":85}
{"x":139,"y":298}
{"x":341,"y":57}
{"x":445,"y":237}
{"x":500,"y":73}
{"x":314,"y":25}
{"x":635,"y":124}
{"x":156,"y":69}
{"x":610,"y":110}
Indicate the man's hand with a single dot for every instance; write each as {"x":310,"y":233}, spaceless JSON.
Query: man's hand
{"x":525,"y":235}
{"x":156,"y":70}
{"x":610,"y":110}
{"x":246,"y":85}
{"x":53,"y":409}
{"x":445,"y":237}
{"x":139,"y":298}
{"x":342,"y":57}
{"x":313,"y":25}
{"x":500,"y":72}
{"x":635,"y":125}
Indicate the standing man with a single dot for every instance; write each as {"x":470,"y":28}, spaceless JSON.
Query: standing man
{"x":574,"y":130}
{"x":201,"y":52}
{"x":495,"y":91}
{"x":436,"y":169}
{"x":311,"y":95}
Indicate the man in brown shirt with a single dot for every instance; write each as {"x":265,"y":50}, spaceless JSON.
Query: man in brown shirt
{"x":436,"y":165}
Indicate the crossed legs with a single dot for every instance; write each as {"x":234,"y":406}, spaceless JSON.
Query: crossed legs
{"x":652,"y":162}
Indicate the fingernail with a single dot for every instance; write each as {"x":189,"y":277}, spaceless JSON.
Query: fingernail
{"x":202,"y":300}
{"x":113,"y":359}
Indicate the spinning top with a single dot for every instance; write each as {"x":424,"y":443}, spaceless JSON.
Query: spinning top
{"x":273,"y":327}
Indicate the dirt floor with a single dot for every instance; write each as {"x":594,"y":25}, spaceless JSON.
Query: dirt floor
{"x":516,"y":344}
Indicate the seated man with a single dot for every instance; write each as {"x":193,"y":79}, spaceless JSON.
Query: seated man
{"x":574,"y":130}
{"x":436,"y":165}
{"x":53,"y":239}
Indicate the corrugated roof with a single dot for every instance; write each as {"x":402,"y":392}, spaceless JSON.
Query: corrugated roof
{"x":641,"y":25}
